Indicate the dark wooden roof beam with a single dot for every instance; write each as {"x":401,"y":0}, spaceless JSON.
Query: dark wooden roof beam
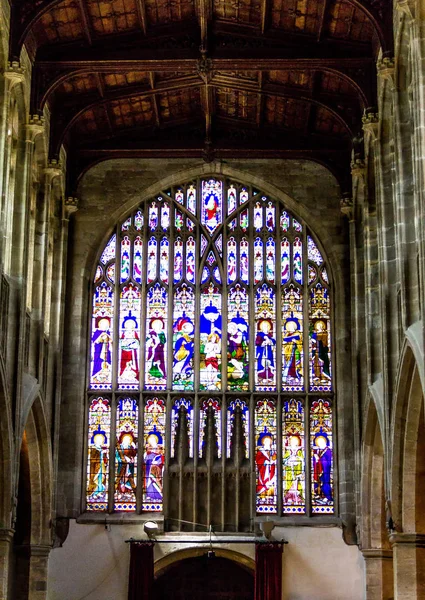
{"x":141,"y":15}
{"x":86,"y":22}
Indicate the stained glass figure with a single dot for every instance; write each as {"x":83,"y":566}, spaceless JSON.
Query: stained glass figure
{"x":258,"y":217}
{"x":320,"y":339}
{"x":243,"y":195}
{"x":284,"y":221}
{"x":163,"y":265}
{"x":292,"y":340}
{"x":296,"y":225}
{"x":183,"y":338}
{"x":204,"y":244}
{"x":298,"y":260}
{"x":210,"y":404}
{"x":138,"y":259}
{"x":153,"y":216}
{"x":293,"y":463}
{"x":138,"y":221}
{"x":179,"y":196}
{"x":178,"y":260}
{"x":109,"y":251}
{"x":156,"y":347}
{"x":244,"y":219}
{"x":153,"y":458}
{"x":231,"y":260}
{"x":312,"y":274}
{"x":234,"y":406}
{"x":233,"y":224}
{"x":210,"y":338}
{"x":191,"y":199}
{"x":125,"y":258}
{"x":178,"y":220}
{"x":102,"y":340}
{"x":190,"y":225}
{"x":270,"y":260}
{"x":231,"y":199}
{"x":321,"y":456}
{"x":212,"y":204}
{"x":98,"y":454}
{"x":152,"y":260}
{"x":190,"y":259}
{"x":266,"y":456}
{"x":165,"y":217}
{"x":219,"y":244}
{"x":129,"y":352}
{"x":244,"y":260}
{"x":126,"y":225}
{"x":186,"y":404}
{"x":110,"y":272}
{"x":258,"y":260}
{"x":313,"y":252}
{"x":265,"y":340}
{"x":99,"y":274}
{"x":126,"y":455}
{"x":238,"y":339}
{"x":285,"y":250}
{"x":270,"y":217}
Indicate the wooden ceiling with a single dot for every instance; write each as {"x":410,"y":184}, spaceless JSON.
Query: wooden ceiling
{"x":210,"y":78}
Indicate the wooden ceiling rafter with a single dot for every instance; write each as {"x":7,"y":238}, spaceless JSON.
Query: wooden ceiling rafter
{"x":26,"y":14}
{"x":155,"y":100}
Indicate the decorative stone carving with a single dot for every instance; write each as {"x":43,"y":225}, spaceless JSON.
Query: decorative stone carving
{"x":386,"y":68}
{"x":204,"y":68}
{"x":34,"y":127}
{"x":370,"y":122}
{"x":14,"y":74}
{"x":70,"y":206}
{"x":347,"y":206}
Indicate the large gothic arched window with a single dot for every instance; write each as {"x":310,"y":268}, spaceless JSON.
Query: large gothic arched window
{"x":211,"y":349}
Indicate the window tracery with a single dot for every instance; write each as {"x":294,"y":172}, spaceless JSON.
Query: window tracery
{"x":211,"y":324}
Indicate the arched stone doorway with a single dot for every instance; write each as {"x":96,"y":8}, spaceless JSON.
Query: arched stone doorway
{"x":203,"y":578}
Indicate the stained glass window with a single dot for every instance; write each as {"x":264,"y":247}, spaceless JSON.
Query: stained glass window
{"x":212,"y":301}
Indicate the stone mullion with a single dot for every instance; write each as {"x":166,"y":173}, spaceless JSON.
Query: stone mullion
{"x":305,"y":288}
{"x":6,"y":544}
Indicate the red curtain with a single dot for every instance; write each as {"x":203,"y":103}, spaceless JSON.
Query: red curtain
{"x":268,"y":571}
{"x":140,"y":585}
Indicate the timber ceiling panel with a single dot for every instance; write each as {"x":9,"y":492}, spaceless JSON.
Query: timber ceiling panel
{"x":236,"y":104}
{"x":92,"y":122}
{"x":348,"y":23}
{"x":81,"y":84}
{"x":179,"y":105}
{"x":296,"y":79}
{"x":132,"y":112}
{"x":62,"y":23}
{"x":112,"y":16}
{"x":169,"y":11}
{"x":247,"y":12}
{"x":300,"y":16}
{"x":286,"y":112}
{"x":326,"y":123}
{"x":113,"y":81}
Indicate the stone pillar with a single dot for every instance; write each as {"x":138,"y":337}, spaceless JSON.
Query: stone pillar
{"x":379,"y":574}
{"x":39,"y":558}
{"x":6,"y":541}
{"x":409,"y":565}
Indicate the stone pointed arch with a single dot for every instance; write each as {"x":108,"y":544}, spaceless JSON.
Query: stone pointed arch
{"x":165,"y":562}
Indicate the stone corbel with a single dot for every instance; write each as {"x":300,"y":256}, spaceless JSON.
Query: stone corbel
{"x":14,"y":74}
{"x":347,"y":207}
{"x":34,"y":127}
{"x":386,"y":69}
{"x":407,"y":7}
{"x":53,"y":169}
{"x":358,"y":169}
{"x":70,"y":206}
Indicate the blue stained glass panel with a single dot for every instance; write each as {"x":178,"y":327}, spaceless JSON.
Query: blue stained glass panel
{"x":212,"y":204}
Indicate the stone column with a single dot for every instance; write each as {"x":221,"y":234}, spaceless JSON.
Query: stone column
{"x":409,"y":565}
{"x":6,"y":541}
{"x":379,"y":574}
{"x":39,"y":558}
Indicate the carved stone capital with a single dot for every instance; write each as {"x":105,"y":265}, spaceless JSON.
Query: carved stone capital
{"x":347,"y":206}
{"x":408,"y":539}
{"x":6,"y":535}
{"x":53,"y":169}
{"x":34,"y":127}
{"x":14,"y":74}
{"x":370,"y":122}
{"x":380,"y":553}
{"x":386,"y":68}
{"x":70,"y":206}
{"x":358,"y":168}
{"x":407,"y":7}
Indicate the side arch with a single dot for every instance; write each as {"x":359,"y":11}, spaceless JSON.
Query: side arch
{"x":169,"y":560}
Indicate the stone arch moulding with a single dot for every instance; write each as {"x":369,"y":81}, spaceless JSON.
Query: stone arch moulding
{"x":164,"y":563}
{"x":407,"y":414}
{"x":41,"y":473}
